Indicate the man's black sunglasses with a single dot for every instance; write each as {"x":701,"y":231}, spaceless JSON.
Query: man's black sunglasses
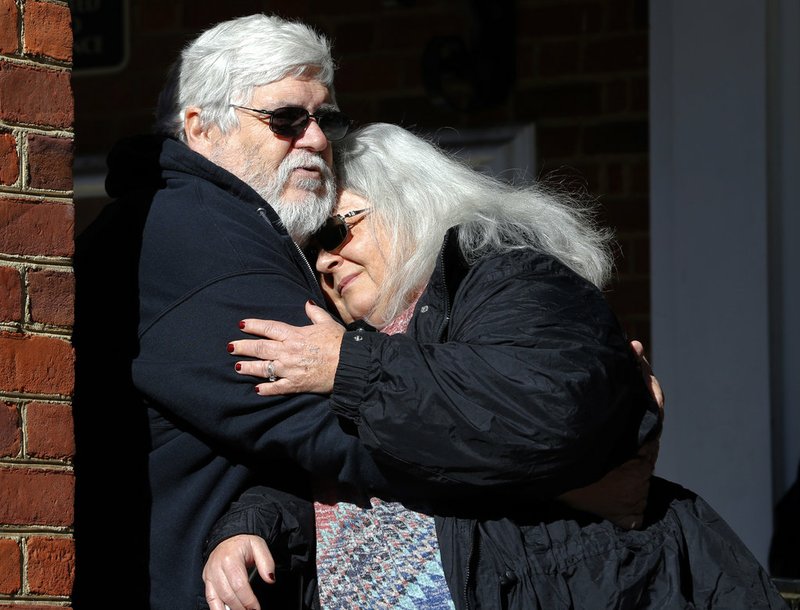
{"x":332,"y":235}
{"x":292,"y":121}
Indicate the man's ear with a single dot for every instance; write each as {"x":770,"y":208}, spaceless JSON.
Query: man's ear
{"x":198,"y":137}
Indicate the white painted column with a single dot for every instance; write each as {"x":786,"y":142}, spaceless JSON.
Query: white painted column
{"x":784,"y":236}
{"x":710,"y":254}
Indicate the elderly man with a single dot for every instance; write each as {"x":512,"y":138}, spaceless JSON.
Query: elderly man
{"x":189,"y":248}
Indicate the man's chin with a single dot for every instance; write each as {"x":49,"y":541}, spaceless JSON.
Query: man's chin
{"x":303,"y":212}
{"x":302,"y":196}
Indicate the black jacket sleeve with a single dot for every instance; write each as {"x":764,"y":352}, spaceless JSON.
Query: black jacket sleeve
{"x":188,"y":377}
{"x":535,"y":391}
{"x":286,"y":523}
{"x":208,"y":261}
{"x":283,"y":520}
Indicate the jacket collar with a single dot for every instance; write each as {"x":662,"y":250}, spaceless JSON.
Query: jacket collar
{"x":147,"y":162}
{"x":432,"y":314}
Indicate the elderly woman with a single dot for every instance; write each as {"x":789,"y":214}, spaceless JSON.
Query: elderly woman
{"x":499,"y":367}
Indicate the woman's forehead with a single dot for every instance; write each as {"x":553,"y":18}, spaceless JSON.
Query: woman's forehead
{"x":348,"y":200}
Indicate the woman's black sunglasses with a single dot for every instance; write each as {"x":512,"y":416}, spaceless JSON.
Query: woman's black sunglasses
{"x":292,"y":121}
{"x":332,"y":235}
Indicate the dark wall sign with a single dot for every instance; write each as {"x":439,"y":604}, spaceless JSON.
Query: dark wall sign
{"x":100,"y":30}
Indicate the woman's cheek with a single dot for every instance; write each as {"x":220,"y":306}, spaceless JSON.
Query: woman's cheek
{"x":360,"y":297}
{"x":336,"y":302}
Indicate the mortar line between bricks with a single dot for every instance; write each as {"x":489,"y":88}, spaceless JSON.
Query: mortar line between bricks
{"x":52,"y":531}
{"x":33,"y":192}
{"x":47,"y":63}
{"x":30,"y":464}
{"x":39,"y":130}
{"x":30,"y":264}
{"x":35,"y":330}
{"x":27,"y":399}
{"x":31,"y":397}
{"x":48,"y":196}
{"x":30,"y":600}
{"x":55,"y":261}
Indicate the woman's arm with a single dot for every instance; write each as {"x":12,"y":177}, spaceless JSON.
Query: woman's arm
{"x":534,"y":390}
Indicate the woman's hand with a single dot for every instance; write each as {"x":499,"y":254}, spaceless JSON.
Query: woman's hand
{"x":226,"y":572}
{"x":292,"y":358}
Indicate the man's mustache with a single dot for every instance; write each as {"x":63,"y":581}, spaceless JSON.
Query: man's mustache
{"x":303,"y":159}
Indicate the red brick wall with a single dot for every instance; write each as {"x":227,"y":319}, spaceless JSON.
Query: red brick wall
{"x":36,"y":302}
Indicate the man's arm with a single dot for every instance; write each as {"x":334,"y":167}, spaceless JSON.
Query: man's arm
{"x":621,"y":495}
{"x":186,"y":373}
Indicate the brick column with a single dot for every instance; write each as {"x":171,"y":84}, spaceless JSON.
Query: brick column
{"x":36,"y":305}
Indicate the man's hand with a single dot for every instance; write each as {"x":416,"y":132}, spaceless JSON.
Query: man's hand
{"x":649,"y":379}
{"x":226,"y":572}
{"x":621,"y":495}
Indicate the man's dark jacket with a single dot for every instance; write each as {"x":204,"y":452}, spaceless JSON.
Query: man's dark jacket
{"x":163,"y":278}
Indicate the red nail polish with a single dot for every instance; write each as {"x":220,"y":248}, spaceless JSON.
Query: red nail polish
{"x":238,"y":366}
{"x":312,"y":302}
{"x":271,"y":576}
{"x":257,"y":392}
{"x":230,"y":348}
{"x":242,"y":325}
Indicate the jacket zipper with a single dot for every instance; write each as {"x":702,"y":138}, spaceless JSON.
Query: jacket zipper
{"x":441,"y":335}
{"x":313,"y":277}
{"x":446,"y":298}
{"x":468,"y":573}
{"x":263,"y":213}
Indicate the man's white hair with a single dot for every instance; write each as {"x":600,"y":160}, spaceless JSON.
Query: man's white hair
{"x":224,"y":64}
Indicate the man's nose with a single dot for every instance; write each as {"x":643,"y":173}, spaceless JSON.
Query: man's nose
{"x":312,"y":138}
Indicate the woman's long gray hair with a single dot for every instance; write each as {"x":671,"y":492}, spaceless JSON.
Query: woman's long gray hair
{"x":417,"y":192}
{"x":223,"y":65}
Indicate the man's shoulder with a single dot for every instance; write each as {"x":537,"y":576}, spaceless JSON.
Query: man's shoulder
{"x":198,"y":208}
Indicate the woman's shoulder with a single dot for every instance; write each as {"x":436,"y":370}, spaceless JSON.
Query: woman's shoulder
{"x":526,"y":285}
{"x":532,"y":265}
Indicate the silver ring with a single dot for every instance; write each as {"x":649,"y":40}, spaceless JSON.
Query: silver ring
{"x":271,"y":371}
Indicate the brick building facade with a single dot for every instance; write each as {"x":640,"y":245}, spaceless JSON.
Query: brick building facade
{"x":36,"y":304}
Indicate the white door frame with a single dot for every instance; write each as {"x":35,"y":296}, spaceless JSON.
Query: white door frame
{"x":724,"y":161}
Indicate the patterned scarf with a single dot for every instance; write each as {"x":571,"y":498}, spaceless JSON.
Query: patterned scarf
{"x":384,"y":557}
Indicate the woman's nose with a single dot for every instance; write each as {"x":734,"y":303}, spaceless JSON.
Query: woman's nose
{"x":327,"y":262}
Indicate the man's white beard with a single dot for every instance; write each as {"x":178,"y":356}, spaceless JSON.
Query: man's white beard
{"x":300,"y":218}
